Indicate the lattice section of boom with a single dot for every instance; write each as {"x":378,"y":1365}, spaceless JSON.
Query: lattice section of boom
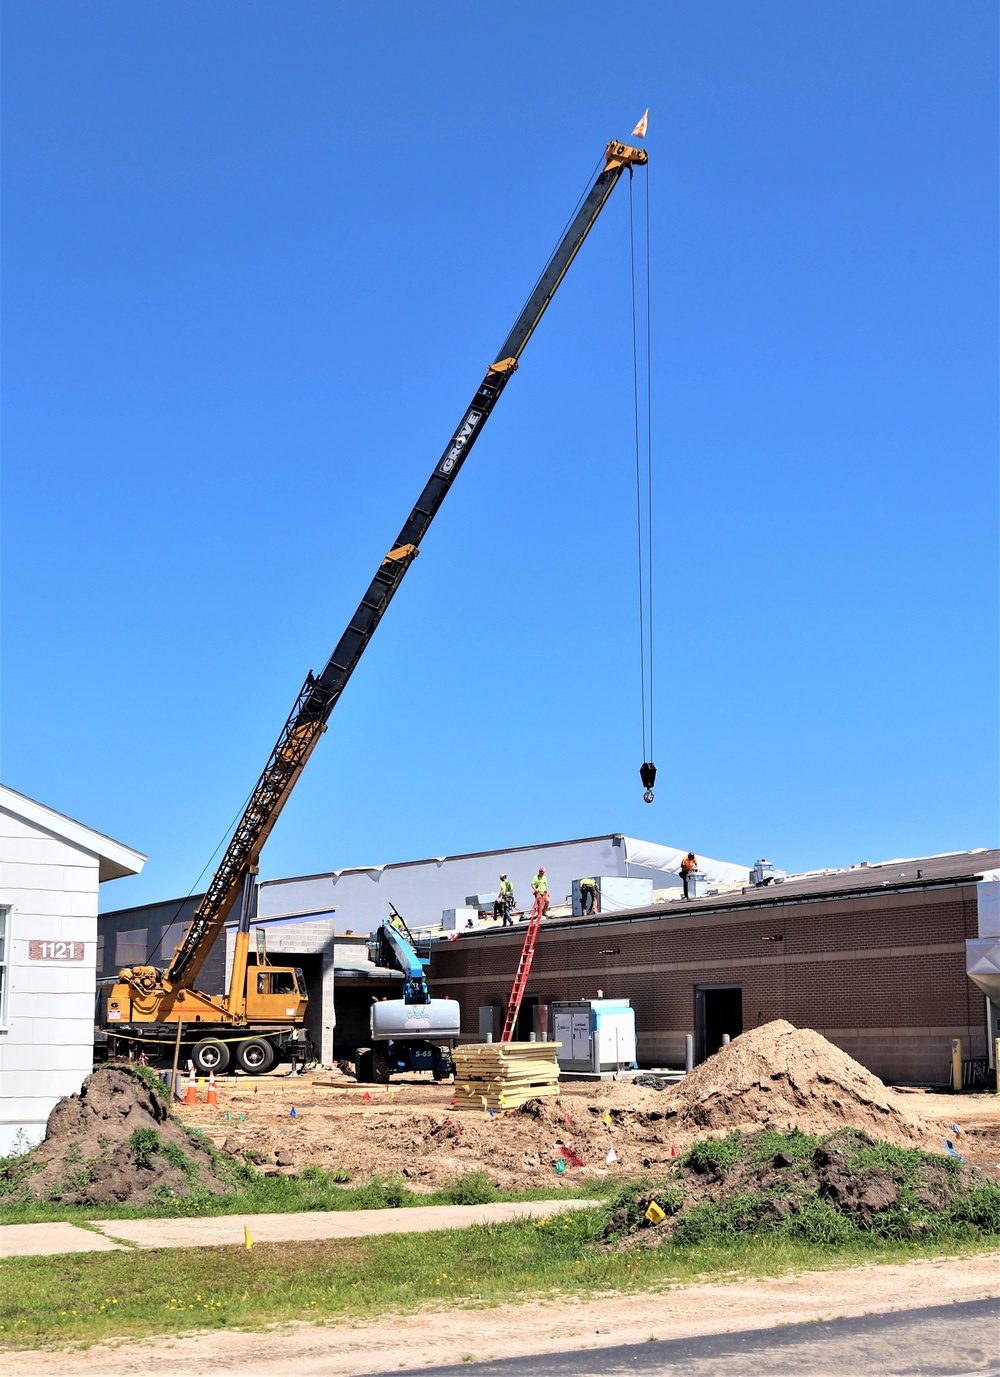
{"x":291,"y":751}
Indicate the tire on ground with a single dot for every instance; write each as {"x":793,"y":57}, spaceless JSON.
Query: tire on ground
{"x":210,"y":1055}
{"x":381,"y":1069}
{"x":255,"y":1056}
{"x":364,"y":1065}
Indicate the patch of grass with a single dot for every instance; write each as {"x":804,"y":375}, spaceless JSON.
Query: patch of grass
{"x":798,"y":1187}
{"x":315,"y":1189}
{"x":152,"y":1079}
{"x":765,"y":1146}
{"x":715,"y":1155}
{"x":475,"y":1188}
{"x":144,"y":1144}
{"x":96,"y":1296}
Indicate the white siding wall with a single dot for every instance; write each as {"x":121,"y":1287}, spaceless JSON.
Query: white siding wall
{"x":46,"y":1046}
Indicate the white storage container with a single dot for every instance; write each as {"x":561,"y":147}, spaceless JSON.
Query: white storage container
{"x":614,"y":893}
{"x":457,"y":918}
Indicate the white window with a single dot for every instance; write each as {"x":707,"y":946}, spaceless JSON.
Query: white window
{"x":4,"y":962}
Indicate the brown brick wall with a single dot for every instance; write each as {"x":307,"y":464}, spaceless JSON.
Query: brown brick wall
{"x":883,"y":976}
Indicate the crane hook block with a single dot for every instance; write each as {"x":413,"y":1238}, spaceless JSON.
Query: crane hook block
{"x":647,"y":773}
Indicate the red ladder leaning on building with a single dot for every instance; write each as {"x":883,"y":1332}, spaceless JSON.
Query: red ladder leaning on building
{"x":523,"y":968}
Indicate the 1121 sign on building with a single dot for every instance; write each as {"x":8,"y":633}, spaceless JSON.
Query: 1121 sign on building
{"x":55,"y":951}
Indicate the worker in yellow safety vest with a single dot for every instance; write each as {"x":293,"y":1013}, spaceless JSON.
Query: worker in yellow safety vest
{"x":588,"y":895}
{"x":503,"y":904}
{"x":541,"y":887}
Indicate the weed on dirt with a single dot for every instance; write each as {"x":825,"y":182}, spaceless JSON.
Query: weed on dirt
{"x":836,"y":1190}
{"x":118,"y":1141}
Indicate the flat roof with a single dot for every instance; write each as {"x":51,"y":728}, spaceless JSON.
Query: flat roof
{"x":440,"y":860}
{"x":920,"y":872}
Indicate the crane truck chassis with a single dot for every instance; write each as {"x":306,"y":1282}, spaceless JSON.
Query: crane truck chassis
{"x":147,"y":1001}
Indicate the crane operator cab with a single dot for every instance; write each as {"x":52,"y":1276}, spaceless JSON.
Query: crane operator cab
{"x":276,"y":993}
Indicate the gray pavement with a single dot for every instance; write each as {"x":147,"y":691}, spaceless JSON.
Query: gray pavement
{"x":961,"y":1340}
{"x":25,"y":1240}
{"x":40,"y":1240}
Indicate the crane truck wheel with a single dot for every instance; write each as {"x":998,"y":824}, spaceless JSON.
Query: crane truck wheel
{"x":255,"y":1056}
{"x":364,"y":1065}
{"x":210,"y":1055}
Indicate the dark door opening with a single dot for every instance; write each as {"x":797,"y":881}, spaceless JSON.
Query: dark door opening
{"x":718,"y":1010}
{"x":525,"y":1024}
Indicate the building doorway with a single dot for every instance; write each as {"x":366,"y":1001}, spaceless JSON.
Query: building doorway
{"x":718,"y":1009}
{"x":525,"y":1024}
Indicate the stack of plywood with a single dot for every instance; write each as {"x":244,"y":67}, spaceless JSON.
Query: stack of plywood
{"x":504,"y":1075}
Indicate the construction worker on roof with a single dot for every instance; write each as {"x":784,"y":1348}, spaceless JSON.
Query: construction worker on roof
{"x":503,"y":905}
{"x":688,"y":867}
{"x":541,"y":887}
{"x":588,"y":895}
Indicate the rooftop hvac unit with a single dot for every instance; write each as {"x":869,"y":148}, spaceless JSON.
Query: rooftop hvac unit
{"x":764,"y":873}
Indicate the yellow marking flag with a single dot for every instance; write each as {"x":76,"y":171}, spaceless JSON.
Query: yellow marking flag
{"x":607,"y":1116}
{"x":248,"y":1241}
{"x":654,"y":1214}
{"x":639,"y":132}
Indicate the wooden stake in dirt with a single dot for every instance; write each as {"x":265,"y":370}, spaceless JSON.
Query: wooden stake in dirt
{"x":177,"y":1059}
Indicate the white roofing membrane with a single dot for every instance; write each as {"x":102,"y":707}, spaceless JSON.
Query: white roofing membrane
{"x":668,"y":859}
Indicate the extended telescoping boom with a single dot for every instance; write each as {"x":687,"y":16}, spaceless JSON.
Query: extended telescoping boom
{"x":320,"y":693}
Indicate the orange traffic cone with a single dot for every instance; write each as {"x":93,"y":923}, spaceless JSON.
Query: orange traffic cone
{"x":192,"y":1091}
{"x":213,"y":1095}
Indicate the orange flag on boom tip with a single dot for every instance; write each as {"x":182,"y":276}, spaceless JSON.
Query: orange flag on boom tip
{"x":639,"y":132}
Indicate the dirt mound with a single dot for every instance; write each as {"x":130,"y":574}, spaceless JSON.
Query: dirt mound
{"x":776,"y":1077}
{"x":782,"y":1077}
{"x":115,"y":1141}
{"x":823,"y":1189}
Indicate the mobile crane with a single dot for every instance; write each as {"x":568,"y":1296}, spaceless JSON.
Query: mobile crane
{"x":262,"y":1015}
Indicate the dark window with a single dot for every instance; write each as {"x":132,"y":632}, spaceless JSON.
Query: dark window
{"x":170,"y":939}
{"x":130,"y":948}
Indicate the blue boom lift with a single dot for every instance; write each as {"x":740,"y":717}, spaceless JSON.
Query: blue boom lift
{"x":407,"y":1033}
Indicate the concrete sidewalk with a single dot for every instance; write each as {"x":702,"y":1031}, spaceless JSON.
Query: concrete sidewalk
{"x":27,"y":1240}
{"x":38,"y":1240}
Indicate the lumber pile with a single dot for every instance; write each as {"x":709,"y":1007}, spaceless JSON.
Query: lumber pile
{"x":504,"y":1075}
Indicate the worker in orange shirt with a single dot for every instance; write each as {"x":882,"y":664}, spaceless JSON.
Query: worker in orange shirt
{"x":688,"y":866}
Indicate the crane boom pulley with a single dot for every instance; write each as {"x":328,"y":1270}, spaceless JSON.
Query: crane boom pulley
{"x":320,"y":693}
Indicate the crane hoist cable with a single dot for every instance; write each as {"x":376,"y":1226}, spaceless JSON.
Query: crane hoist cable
{"x":643,"y":491}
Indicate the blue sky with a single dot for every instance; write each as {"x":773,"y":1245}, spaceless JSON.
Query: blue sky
{"x":256,"y":259}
